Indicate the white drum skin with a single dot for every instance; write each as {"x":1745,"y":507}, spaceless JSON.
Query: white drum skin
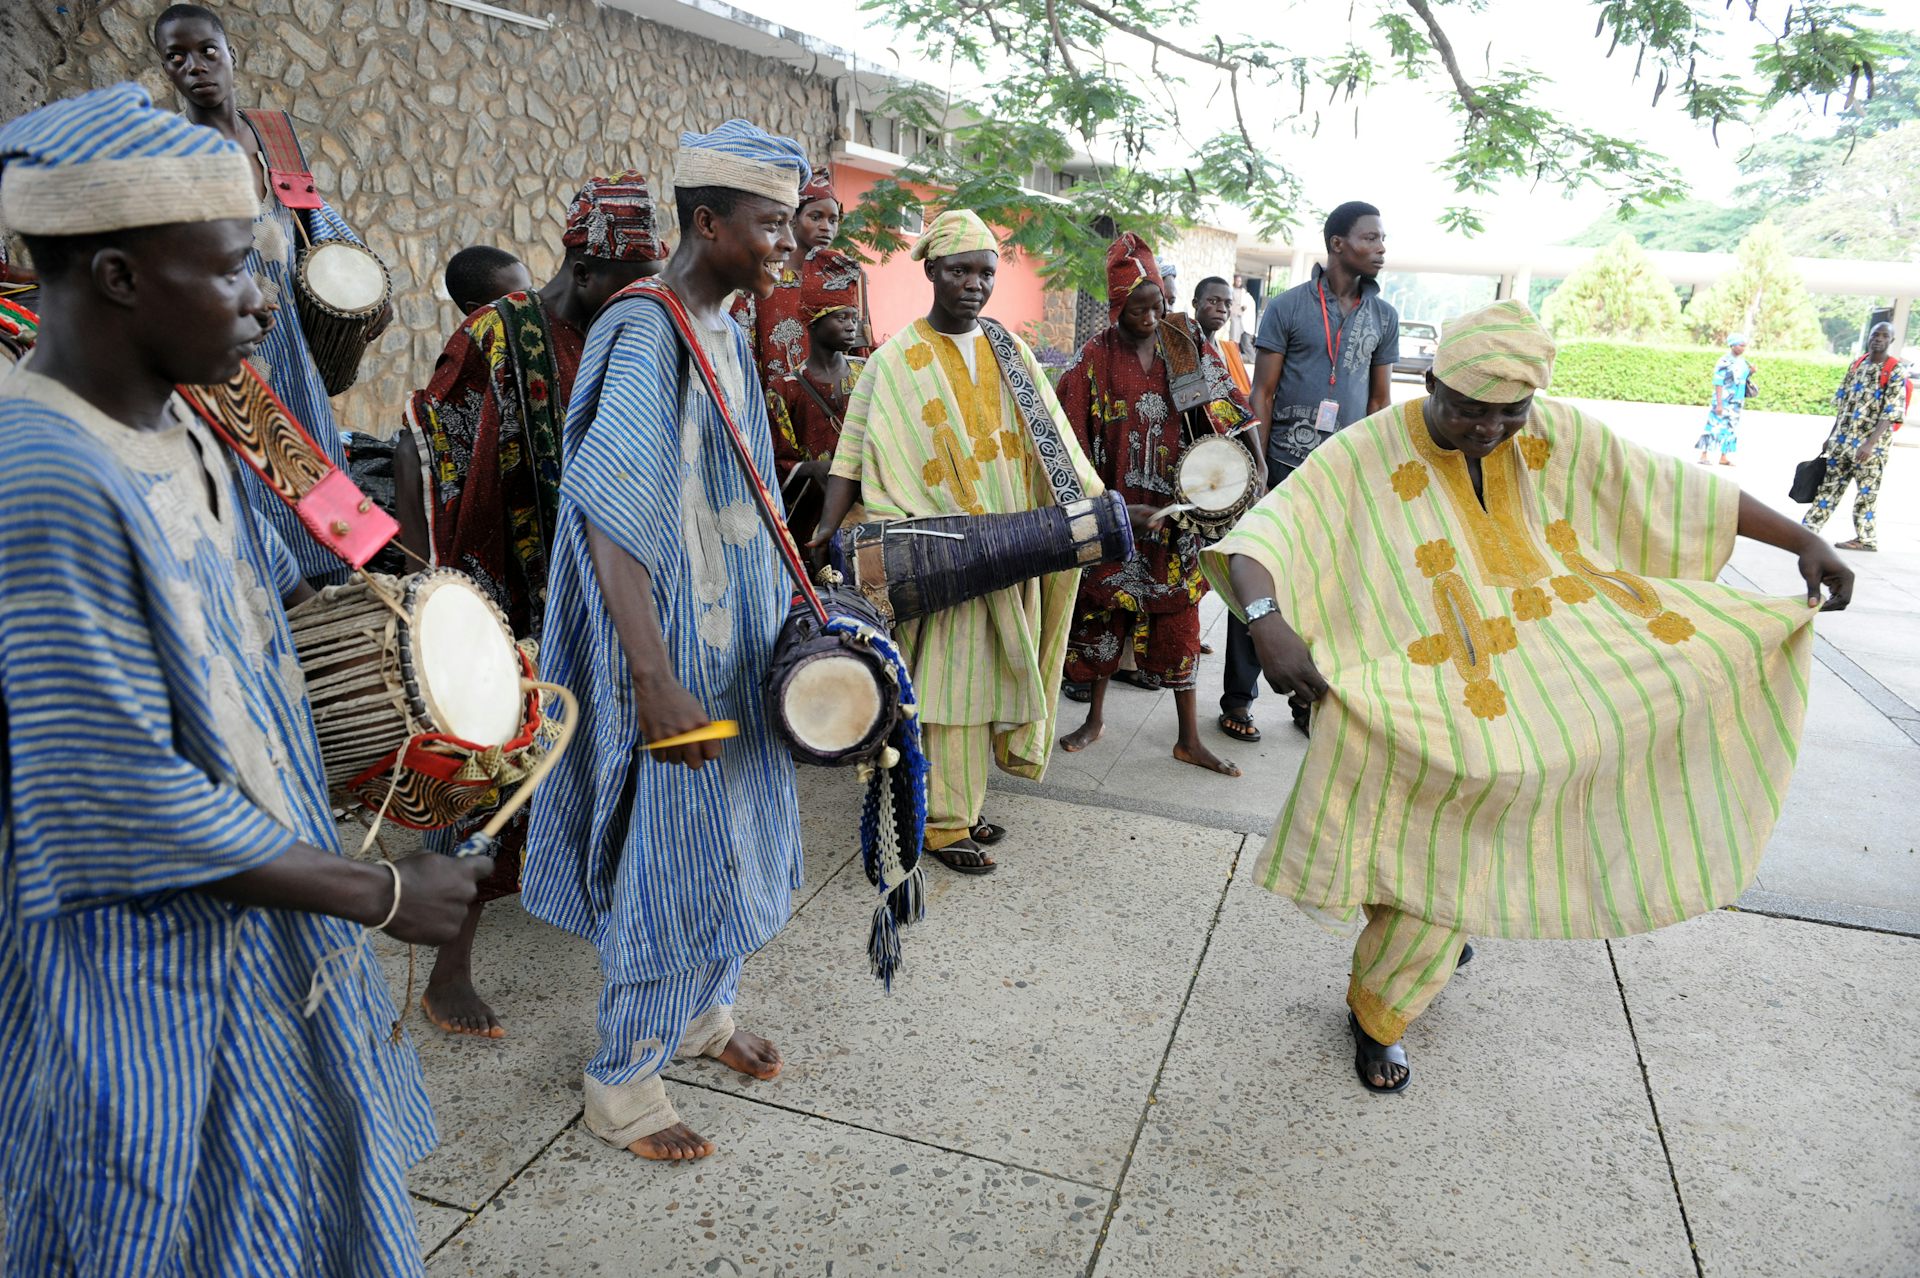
{"x":831,"y":703}
{"x":346,"y":277}
{"x":468,"y":671}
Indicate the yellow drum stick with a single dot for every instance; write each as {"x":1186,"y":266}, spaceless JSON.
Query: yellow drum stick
{"x":718,"y":730}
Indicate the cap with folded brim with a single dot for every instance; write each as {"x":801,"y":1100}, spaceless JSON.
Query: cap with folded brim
{"x":955,"y":231}
{"x":612,"y":218}
{"x":743,"y":157}
{"x":106,"y":160}
{"x":1498,"y":354}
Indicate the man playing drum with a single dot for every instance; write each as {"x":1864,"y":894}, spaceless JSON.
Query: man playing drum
{"x":933,"y":429}
{"x":492,"y":417}
{"x":198,"y":1069}
{"x":1119,"y":401}
{"x":192,"y":45}
{"x":666,"y":593}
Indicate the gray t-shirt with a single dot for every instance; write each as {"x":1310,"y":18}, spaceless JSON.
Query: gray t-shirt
{"x":1363,"y":339}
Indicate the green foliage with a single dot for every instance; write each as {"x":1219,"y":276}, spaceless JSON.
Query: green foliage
{"x":1687,"y":226}
{"x":1867,"y":208}
{"x":1684,"y":375}
{"x":1617,"y":294}
{"x":1763,"y":297}
{"x":1108,"y":77}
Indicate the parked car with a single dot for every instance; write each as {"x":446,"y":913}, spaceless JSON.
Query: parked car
{"x":1418,"y":341}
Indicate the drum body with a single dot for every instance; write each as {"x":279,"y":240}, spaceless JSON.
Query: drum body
{"x":339,"y":289}
{"x":1217,"y":480}
{"x":909,"y":568}
{"x":415,"y":685}
{"x":831,"y":698}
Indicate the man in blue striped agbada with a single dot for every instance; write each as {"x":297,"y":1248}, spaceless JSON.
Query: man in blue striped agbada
{"x":664,"y":596}
{"x":196,"y":1069}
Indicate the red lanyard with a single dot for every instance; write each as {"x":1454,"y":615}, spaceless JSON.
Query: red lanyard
{"x":1327,"y":325}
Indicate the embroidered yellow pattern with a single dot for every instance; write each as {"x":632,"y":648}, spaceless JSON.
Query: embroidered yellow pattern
{"x":1434,"y":557}
{"x":1410,"y":480}
{"x":1530,"y":603}
{"x":1503,"y":545}
{"x":1486,"y":700}
{"x":919,"y":357}
{"x":1631,"y":592}
{"x":1671,"y":627}
{"x":1535,"y":450}
{"x":1572,"y":590}
{"x":1466,"y":638}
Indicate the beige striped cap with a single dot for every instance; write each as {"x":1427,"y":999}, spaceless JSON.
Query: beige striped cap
{"x":1497,"y":354}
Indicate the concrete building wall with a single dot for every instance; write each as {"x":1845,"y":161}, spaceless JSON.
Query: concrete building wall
{"x":431,"y":128}
{"x":1200,"y":251}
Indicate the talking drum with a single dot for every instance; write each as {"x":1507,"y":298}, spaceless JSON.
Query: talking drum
{"x":417,"y":695}
{"x":831,"y":698}
{"x":1216,"y":482}
{"x":340,"y":289}
{"x":908,"y":568}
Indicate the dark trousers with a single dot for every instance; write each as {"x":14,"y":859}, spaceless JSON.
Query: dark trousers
{"x":1242,"y":683}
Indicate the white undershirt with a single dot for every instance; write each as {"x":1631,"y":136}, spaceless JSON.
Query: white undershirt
{"x":965,"y":341}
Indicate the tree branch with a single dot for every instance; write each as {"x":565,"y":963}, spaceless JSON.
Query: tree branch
{"x":1119,"y":23}
{"x":1444,"y":47}
{"x":1060,"y":40}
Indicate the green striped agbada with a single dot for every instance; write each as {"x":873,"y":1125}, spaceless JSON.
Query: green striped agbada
{"x":1546,"y":718}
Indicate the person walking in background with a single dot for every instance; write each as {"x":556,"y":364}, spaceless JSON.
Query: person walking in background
{"x":191,"y":43}
{"x":1327,"y":349}
{"x":1873,"y":402}
{"x":1732,"y":378}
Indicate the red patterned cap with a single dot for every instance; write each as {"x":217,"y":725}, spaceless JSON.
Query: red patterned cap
{"x":1130,"y":264}
{"x":818,"y":187}
{"x":829,"y":282}
{"x":613,"y":218}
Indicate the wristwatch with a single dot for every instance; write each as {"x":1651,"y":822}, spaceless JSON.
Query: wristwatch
{"x":1260,"y":608}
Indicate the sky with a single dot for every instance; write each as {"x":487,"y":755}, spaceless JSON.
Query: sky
{"x":1403,"y":127}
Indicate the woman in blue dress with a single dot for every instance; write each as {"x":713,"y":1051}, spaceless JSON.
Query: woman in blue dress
{"x":1730,"y":377}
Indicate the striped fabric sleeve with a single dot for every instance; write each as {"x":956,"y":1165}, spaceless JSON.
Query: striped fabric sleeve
{"x":326,"y":224}
{"x":625,"y":474}
{"x":849,"y":455}
{"x":1286,"y":533}
{"x":1655,"y":514}
{"x":285,"y":572}
{"x":104,"y":808}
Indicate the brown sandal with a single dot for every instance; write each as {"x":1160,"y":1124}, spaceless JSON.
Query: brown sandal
{"x":964,"y":857}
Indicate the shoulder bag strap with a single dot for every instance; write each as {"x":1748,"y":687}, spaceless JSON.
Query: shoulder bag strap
{"x":665,"y":298}
{"x":1041,"y":427}
{"x":813,"y":393}
{"x":250,"y":419}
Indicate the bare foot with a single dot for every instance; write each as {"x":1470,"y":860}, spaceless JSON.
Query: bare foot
{"x":457,"y":1008}
{"x":1201,"y":757}
{"x":752,"y":1055}
{"x":1082,"y":737}
{"x":676,"y":1144}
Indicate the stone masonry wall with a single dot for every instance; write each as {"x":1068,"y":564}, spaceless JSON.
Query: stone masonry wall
{"x":431,"y":128}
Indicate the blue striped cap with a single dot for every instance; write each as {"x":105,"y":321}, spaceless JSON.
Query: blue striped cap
{"x":107,"y":160}
{"x":743,"y":157}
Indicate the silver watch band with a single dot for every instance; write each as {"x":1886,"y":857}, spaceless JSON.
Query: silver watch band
{"x":1260,"y":608}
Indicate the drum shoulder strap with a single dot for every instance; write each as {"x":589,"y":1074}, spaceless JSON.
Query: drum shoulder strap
{"x":288,"y":176}
{"x":813,"y":393}
{"x":1041,"y":426}
{"x":250,"y":419}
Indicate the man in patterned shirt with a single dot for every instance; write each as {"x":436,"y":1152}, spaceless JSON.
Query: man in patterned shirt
{"x":1873,"y":402}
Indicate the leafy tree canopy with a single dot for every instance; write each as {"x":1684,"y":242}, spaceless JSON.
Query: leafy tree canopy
{"x":1618,"y":294}
{"x":1763,"y":297}
{"x":1108,"y":77}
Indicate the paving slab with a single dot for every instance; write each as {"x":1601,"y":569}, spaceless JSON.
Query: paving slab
{"x":1780,"y":1055}
{"x":1262,"y":1155}
{"x":435,"y":1224}
{"x":498,"y":1102}
{"x":1035,"y":1004}
{"x":785,"y":1196}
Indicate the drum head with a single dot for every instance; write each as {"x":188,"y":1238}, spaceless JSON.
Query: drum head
{"x":1215,"y":474}
{"x":466,"y":664}
{"x":832,"y":703}
{"x":346,"y":277}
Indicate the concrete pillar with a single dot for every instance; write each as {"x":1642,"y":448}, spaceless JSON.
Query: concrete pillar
{"x":1902,"y":308}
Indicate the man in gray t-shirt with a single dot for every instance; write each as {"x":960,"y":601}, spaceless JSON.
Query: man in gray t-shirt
{"x":1326,"y":350}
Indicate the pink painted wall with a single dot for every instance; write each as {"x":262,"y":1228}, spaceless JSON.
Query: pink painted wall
{"x":897,"y":289}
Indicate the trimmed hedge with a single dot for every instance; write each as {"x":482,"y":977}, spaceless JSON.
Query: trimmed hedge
{"x":1684,"y":375}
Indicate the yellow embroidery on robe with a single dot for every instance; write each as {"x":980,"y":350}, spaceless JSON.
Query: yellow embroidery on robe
{"x":1572,"y":590}
{"x":1497,"y":531}
{"x":1410,"y":480}
{"x":1671,"y":627}
{"x":1535,"y":450}
{"x":1530,"y":603}
{"x":1434,"y":557}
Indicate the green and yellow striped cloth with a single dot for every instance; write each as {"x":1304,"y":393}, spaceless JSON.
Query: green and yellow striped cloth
{"x":1546,"y":718}
{"x":925,"y":435}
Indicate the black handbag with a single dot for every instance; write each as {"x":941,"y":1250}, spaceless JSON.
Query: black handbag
{"x":1807,"y":478}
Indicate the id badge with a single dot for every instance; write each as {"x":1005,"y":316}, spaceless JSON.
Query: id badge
{"x":1327,"y":420}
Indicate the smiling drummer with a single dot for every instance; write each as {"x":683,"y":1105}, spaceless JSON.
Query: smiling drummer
{"x":196,"y":1070}
{"x":1119,"y":400}
{"x":1538,"y":714}
{"x":192,"y":46}
{"x":665,"y":594}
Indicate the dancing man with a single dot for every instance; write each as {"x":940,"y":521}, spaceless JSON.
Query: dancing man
{"x":192,"y":44}
{"x":808,"y":407}
{"x":199,"y":1066}
{"x":1539,"y":715}
{"x":1118,"y":399}
{"x":934,"y":429}
{"x":491,"y":418}
{"x":665,"y":594}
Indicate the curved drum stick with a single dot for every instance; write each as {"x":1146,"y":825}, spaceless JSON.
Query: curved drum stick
{"x":484,"y":840}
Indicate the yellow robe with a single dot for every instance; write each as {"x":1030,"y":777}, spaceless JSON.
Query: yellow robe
{"x":924,"y":438}
{"x":1546,"y":719}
